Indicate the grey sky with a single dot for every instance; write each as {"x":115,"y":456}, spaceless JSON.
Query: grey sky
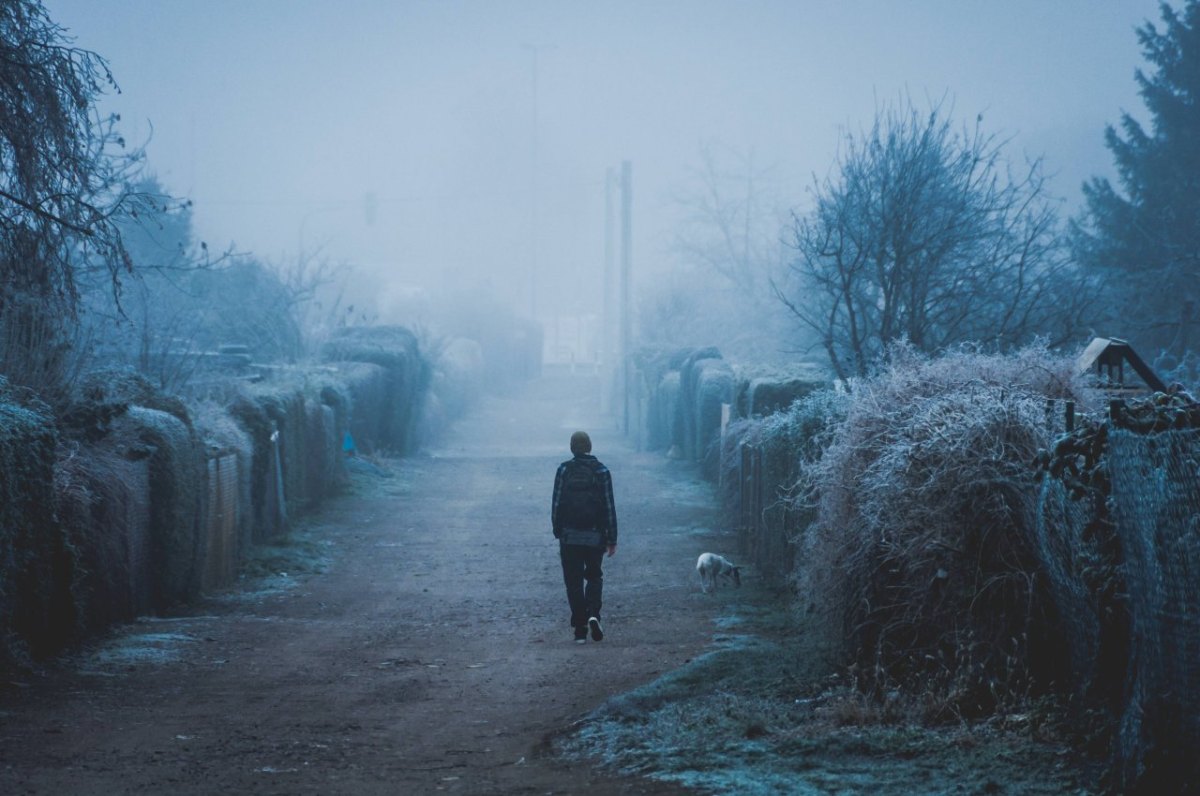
{"x":279,"y":118}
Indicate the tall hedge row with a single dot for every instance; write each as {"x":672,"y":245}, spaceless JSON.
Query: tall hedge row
{"x":36,"y":563}
{"x":121,"y":505}
{"x":405,"y":375}
{"x":958,"y":543}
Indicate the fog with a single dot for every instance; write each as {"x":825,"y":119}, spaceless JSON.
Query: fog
{"x":466,"y":143}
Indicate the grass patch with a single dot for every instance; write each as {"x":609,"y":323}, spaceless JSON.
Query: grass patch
{"x":301,"y":553}
{"x":278,"y":566}
{"x":761,"y":712}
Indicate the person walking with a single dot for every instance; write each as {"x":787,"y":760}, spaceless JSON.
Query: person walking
{"x":584,"y":519}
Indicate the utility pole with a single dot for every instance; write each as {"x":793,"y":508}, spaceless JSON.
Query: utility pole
{"x":608,"y":348}
{"x":533,"y":198}
{"x":626,"y":272}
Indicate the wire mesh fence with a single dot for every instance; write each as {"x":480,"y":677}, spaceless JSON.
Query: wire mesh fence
{"x":1156,"y":507}
{"x":1118,"y":536}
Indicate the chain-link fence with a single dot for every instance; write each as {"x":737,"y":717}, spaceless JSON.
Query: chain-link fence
{"x":1156,"y":508}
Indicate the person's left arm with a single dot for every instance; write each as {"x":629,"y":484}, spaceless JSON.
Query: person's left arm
{"x":610,"y":513}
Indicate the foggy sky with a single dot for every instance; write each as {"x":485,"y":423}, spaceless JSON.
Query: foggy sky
{"x":280,"y":118}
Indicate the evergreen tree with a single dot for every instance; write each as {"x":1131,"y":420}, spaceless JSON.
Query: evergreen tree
{"x":1143,"y":238}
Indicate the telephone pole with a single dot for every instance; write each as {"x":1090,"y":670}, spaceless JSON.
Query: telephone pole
{"x":533,"y":179}
{"x":626,"y":273}
{"x":608,"y":347}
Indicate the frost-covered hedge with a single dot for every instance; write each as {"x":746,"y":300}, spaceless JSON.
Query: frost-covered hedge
{"x":762,"y":396}
{"x":102,"y":490}
{"x":684,"y":391}
{"x":659,"y":372}
{"x":130,"y":495}
{"x":131,"y":501}
{"x":956,"y":543}
{"x":773,"y":449}
{"x":406,"y":375}
{"x":36,"y":562}
{"x":922,"y":548}
{"x":456,"y":383}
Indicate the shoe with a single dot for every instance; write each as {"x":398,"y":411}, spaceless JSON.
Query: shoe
{"x":581,"y":635}
{"x":597,"y":631}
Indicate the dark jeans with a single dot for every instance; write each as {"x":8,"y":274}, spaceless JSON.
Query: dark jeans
{"x":580,"y":563}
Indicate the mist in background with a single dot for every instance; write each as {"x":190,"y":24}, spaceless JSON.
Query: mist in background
{"x":465,"y":144}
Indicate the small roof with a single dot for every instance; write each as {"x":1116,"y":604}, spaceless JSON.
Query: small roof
{"x":1112,"y":352}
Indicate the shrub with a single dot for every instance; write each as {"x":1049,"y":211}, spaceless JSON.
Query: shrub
{"x":36,"y":559}
{"x":103,"y":495}
{"x":455,"y":384}
{"x":224,"y":440}
{"x":407,"y":376}
{"x":775,"y":515}
{"x":176,"y":465}
{"x":922,"y":543}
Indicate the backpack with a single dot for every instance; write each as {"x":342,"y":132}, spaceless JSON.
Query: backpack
{"x":580,"y":503}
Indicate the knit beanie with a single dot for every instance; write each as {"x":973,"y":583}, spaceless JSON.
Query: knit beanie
{"x":581,"y":443}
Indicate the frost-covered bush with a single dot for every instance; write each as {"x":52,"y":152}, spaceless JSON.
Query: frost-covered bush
{"x":684,"y":432}
{"x":407,"y":375}
{"x":366,"y":387}
{"x":714,"y":382}
{"x":456,"y":383}
{"x":762,"y":395}
{"x":176,"y":462}
{"x":283,"y":409}
{"x":658,"y":375}
{"x":103,"y":497}
{"x":223,"y":437}
{"x":663,"y":407}
{"x":103,"y":394}
{"x":731,"y":483}
{"x":36,"y":560}
{"x":130,"y":486}
{"x":661,"y":377}
{"x":804,"y":428}
{"x":925,"y":505}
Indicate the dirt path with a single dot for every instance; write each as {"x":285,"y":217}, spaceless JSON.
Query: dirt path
{"x":431,"y":654}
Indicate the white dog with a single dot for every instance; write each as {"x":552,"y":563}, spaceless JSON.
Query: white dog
{"x":712,"y":566}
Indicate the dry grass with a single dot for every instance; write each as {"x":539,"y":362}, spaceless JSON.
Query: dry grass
{"x":760,"y":713}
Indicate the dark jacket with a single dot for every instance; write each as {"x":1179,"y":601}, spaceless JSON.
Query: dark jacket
{"x":604,"y":528}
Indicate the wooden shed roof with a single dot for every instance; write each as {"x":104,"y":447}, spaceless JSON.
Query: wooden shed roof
{"x":1112,"y":354}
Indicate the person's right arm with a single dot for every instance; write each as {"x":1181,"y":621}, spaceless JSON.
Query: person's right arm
{"x":558,"y":481}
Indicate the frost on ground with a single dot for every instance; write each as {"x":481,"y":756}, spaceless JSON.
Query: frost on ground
{"x":276,"y":567}
{"x":759,"y":714}
{"x":269,"y":570}
{"x":149,"y":641}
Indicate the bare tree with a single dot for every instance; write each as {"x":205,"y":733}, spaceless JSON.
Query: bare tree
{"x":924,"y":233}
{"x":733,"y":224}
{"x":63,"y":178}
{"x":728,"y":249}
